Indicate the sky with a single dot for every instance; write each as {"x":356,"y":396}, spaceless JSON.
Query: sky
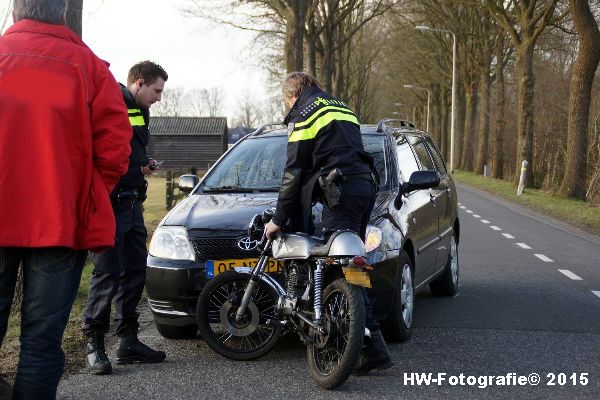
{"x":194,"y":52}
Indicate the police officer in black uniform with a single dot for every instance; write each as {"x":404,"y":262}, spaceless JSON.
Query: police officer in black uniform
{"x":324,"y":134}
{"x":120,"y":272}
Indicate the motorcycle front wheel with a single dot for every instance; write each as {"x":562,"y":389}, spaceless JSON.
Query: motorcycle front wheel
{"x":248,"y":338}
{"x":333,"y":355}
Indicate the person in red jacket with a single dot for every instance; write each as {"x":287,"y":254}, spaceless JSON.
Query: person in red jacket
{"x":64,"y":144}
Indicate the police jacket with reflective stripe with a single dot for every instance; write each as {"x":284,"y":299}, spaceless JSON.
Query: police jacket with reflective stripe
{"x":138,"y":118}
{"x":323,"y":134}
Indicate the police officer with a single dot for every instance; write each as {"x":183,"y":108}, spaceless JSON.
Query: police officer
{"x":324,"y":134}
{"x":120,"y":272}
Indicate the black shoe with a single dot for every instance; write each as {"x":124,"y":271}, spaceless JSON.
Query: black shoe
{"x":374,"y":356}
{"x":132,"y":350}
{"x":97,"y":361}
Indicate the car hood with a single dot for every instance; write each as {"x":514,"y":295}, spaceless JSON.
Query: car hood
{"x":233,"y":211}
{"x":223,"y":211}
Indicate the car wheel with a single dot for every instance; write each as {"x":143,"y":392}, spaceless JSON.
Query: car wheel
{"x":177,"y":332}
{"x":398,"y":326}
{"x":447,"y":283}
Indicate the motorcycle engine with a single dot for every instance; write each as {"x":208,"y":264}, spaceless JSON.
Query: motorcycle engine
{"x":297,"y":279}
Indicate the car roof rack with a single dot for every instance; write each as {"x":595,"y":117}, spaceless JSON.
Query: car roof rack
{"x":382,"y":125}
{"x":263,"y":129}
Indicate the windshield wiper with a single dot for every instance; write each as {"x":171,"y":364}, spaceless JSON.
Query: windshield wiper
{"x":237,"y":189}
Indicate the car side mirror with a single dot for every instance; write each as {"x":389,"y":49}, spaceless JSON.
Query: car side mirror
{"x":418,"y":180}
{"x":188,"y":182}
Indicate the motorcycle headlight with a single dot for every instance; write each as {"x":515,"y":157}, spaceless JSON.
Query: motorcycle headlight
{"x":171,"y":242}
{"x":374,"y":237}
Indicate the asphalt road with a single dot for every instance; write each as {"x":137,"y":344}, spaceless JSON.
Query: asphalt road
{"x":516,"y":313}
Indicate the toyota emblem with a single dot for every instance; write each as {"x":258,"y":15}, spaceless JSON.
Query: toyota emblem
{"x":247,"y":244}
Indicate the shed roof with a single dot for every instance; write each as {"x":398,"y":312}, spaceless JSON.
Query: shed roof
{"x":187,"y":125}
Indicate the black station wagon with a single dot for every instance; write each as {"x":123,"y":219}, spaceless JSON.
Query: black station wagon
{"x":411,"y":240}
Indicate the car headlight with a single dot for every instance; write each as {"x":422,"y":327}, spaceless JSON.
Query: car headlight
{"x":374,"y":237}
{"x":171,"y":242}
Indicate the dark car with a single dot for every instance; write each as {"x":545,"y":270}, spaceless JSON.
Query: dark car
{"x":411,"y":240}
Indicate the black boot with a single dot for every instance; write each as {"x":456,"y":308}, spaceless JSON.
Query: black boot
{"x":97,"y":361}
{"x":132,"y":350}
{"x":375,"y":355}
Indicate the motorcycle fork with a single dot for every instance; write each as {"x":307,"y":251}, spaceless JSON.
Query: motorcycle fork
{"x":254,"y":278}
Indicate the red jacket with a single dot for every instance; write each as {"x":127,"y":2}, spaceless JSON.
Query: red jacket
{"x":64,"y":140}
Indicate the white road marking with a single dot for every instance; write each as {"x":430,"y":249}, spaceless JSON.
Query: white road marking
{"x":463,"y":207}
{"x":508,"y":236}
{"x":495,"y":228}
{"x":469,"y":211}
{"x":459,"y":204}
{"x":523,"y":246}
{"x":570,"y":274}
{"x":596,"y":292}
{"x":544,"y":258}
{"x":485,"y":221}
{"x":477,"y":216}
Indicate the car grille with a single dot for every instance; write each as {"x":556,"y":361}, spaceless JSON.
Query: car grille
{"x":161,"y":305}
{"x":221,"y":249}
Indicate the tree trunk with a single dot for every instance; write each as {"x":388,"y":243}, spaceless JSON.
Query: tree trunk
{"x":74,"y":16}
{"x":461,"y":116}
{"x":444,"y":131}
{"x":436,"y":109}
{"x":466,"y":162}
{"x":525,"y":110}
{"x":485,"y":86}
{"x":498,"y":140}
{"x":294,"y":35}
{"x":312,"y":49}
{"x":584,"y":69}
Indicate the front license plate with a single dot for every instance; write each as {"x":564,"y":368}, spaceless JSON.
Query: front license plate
{"x":216,"y":267}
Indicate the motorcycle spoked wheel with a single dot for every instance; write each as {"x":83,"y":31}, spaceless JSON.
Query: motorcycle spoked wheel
{"x":242,"y":340}
{"x":334,"y":355}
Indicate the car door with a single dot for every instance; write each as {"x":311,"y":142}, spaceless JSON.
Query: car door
{"x":444,"y":203}
{"x":420,"y":214}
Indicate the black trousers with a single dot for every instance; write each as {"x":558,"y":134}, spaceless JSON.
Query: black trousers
{"x":119,"y":274}
{"x":358,"y":200}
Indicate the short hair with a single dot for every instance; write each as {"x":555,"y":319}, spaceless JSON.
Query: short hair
{"x":50,"y":11}
{"x":148,"y":71}
{"x":296,"y":82}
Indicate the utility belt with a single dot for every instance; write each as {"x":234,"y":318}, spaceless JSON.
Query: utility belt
{"x":129,"y":195}
{"x":331,"y":188}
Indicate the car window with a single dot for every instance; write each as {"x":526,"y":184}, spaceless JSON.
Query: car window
{"x":435,"y":153}
{"x":407,"y":164}
{"x":253,"y":164}
{"x":421,"y":152}
{"x":375,"y":145}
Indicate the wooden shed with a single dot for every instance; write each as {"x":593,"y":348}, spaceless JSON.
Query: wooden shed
{"x":185,"y":142}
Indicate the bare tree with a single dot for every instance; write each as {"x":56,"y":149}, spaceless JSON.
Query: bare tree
{"x":250,"y":111}
{"x":213,"y":100}
{"x":171,"y":104}
{"x":582,"y":79}
{"x":524,"y":21}
{"x":283,"y":18}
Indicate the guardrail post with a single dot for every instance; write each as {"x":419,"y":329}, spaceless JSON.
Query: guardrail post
{"x":522,"y":178}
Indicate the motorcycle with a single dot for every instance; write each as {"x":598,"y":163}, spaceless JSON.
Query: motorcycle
{"x":242,"y":312}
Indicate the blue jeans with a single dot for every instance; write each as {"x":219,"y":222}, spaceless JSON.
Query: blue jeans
{"x":50,"y":283}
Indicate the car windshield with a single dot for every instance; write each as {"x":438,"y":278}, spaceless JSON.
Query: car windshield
{"x":257,"y":165}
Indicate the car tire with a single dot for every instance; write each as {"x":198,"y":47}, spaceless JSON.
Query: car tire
{"x":447,"y":283}
{"x":177,"y":332}
{"x":398,"y":326}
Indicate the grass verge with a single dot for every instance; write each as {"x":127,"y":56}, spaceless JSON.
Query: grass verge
{"x":73,"y":340}
{"x":576,"y":212}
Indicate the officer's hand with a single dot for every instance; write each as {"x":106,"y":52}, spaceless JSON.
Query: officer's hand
{"x":146,"y":170}
{"x":271,"y":228}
